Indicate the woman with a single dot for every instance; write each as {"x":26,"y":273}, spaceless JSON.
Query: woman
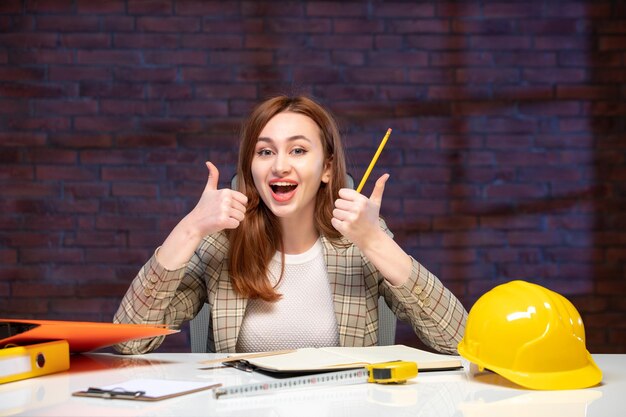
{"x":292,"y":259}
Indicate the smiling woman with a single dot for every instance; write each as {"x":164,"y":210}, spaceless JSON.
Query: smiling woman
{"x":293,"y":142}
{"x":291,"y":258}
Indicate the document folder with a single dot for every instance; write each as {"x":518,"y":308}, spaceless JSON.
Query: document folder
{"x":81,"y":336}
{"x":316,"y":360}
{"x":22,"y":362}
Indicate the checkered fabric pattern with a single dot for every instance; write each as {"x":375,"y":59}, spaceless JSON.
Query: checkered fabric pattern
{"x":160,"y":296}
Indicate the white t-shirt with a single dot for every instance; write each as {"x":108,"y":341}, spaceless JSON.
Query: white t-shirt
{"x":303,"y":317}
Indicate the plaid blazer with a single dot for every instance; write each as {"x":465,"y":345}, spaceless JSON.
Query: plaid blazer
{"x":160,"y":296}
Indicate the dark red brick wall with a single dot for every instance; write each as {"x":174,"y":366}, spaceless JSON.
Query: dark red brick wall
{"x":507,"y":157}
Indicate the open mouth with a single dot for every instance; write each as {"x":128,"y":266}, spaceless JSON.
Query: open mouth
{"x":283,"y":187}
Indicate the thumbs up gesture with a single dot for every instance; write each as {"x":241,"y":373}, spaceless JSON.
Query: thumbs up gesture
{"x":355,"y":216}
{"x":217,"y":209}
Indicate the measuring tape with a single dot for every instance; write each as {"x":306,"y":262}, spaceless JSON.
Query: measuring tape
{"x":383,"y":373}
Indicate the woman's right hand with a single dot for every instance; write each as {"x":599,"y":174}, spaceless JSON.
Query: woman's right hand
{"x":217,"y":209}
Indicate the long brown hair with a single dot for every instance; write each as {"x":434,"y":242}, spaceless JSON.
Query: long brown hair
{"x":259,"y":236}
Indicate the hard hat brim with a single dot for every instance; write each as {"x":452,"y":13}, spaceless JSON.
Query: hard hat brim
{"x":584,"y":377}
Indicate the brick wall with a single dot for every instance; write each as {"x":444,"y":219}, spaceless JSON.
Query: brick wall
{"x":507,"y":158}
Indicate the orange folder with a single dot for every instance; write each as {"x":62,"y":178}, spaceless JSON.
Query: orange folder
{"x":81,"y":336}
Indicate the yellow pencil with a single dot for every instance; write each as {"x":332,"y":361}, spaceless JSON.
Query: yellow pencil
{"x":374,"y":159}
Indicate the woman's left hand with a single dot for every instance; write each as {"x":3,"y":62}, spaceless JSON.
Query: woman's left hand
{"x":355,"y":216}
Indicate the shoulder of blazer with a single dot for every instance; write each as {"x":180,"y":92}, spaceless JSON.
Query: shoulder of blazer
{"x":211,"y":256}
{"x":338,"y":247}
{"x":341,"y":253}
{"x":215,"y":245}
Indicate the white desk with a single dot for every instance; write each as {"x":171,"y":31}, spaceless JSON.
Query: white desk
{"x":453,"y":393}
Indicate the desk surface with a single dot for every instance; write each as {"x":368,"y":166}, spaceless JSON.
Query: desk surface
{"x":451,"y":393}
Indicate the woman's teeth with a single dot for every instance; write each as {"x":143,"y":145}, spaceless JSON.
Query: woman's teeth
{"x":283,"y":187}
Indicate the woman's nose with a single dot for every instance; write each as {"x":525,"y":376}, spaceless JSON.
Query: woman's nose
{"x":281,"y":164}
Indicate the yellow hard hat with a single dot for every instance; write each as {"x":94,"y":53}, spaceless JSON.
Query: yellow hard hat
{"x":531,"y":336}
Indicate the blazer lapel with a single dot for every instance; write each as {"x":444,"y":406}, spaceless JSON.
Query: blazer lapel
{"x":348,"y":288}
{"x":227,"y":314}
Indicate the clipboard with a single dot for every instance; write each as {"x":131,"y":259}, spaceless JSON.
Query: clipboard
{"x":81,"y":336}
{"x":146,"y":389}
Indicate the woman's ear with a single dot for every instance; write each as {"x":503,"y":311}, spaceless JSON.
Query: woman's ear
{"x":327,"y":170}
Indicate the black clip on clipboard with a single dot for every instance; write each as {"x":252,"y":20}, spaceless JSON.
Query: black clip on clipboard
{"x":112,"y":393}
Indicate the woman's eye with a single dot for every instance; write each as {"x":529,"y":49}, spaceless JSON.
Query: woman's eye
{"x":299,"y":151}
{"x":264,"y":152}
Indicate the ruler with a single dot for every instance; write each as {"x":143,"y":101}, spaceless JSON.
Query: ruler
{"x":346,"y":377}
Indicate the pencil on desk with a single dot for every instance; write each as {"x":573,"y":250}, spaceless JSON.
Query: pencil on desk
{"x":373,"y":162}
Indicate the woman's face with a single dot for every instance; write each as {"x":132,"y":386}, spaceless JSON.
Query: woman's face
{"x":288,"y":165}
